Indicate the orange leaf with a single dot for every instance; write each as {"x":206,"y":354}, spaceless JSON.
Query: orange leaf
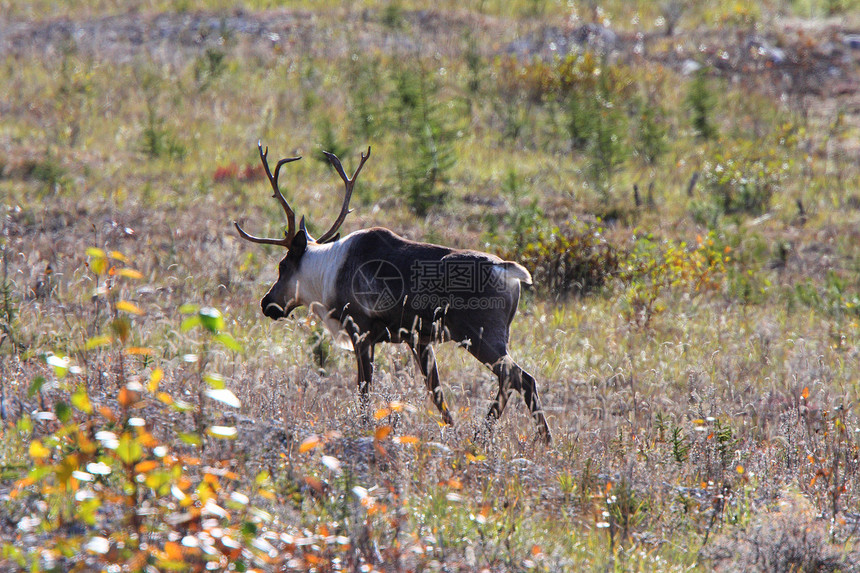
{"x":310,"y":443}
{"x":145,"y":466}
{"x":124,"y":397}
{"x":146,"y":439}
{"x":536,"y":550}
{"x":139,"y":351}
{"x":813,"y":480}
{"x":381,"y":433}
{"x":173,"y":550}
{"x":381,"y":413}
{"x":107,"y":413}
{"x":413,"y":440}
{"x":314,"y":483}
{"x":805,"y":393}
{"x":740,"y":469}
{"x":455,"y":483}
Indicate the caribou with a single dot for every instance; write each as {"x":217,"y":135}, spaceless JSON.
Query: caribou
{"x":374,"y":286}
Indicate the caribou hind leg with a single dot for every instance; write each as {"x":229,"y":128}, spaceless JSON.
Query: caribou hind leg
{"x":427,"y":363}
{"x":511,"y":377}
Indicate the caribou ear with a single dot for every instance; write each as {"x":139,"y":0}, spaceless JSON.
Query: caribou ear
{"x":300,"y":241}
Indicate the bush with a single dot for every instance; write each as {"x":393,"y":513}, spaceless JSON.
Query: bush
{"x":425,"y":135}
{"x":572,"y":260}
{"x":742,"y":184}
{"x":653,"y":269}
{"x":701,"y":102}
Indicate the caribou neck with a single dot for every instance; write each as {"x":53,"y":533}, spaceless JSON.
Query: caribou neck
{"x":318,"y":271}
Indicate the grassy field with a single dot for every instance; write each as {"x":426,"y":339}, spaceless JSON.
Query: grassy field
{"x":680,"y":178}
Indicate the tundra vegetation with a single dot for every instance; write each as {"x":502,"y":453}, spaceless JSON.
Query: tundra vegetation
{"x":681,"y":179}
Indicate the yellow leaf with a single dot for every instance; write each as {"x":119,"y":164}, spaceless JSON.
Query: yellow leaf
{"x":165,"y":398}
{"x":118,"y":256}
{"x":740,"y":469}
{"x":38,"y":451}
{"x":381,"y":433}
{"x":310,"y":443}
{"x":96,"y":341}
{"x":155,"y":379}
{"x":129,"y":307}
{"x":95,"y":253}
{"x":130,"y":274}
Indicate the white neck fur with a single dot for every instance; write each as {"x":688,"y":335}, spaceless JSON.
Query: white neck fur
{"x":318,"y":269}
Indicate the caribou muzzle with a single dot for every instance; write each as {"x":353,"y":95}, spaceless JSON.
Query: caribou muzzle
{"x":275,"y":311}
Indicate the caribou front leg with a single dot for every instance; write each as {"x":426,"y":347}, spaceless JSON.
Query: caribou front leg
{"x":364,"y":363}
{"x":427,"y":362}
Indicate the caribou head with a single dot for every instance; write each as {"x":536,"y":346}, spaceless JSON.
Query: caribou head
{"x":286,"y":294}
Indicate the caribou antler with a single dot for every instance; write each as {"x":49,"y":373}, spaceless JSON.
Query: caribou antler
{"x":291,"y":216}
{"x":349,"y":183}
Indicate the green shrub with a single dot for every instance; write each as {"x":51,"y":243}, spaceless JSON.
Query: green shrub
{"x":743,"y":183}
{"x":49,"y":173}
{"x":653,"y":270}
{"x":701,"y":101}
{"x":424,"y":134}
{"x":574,"y":259}
{"x":158,"y":140}
{"x":650,"y":142}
